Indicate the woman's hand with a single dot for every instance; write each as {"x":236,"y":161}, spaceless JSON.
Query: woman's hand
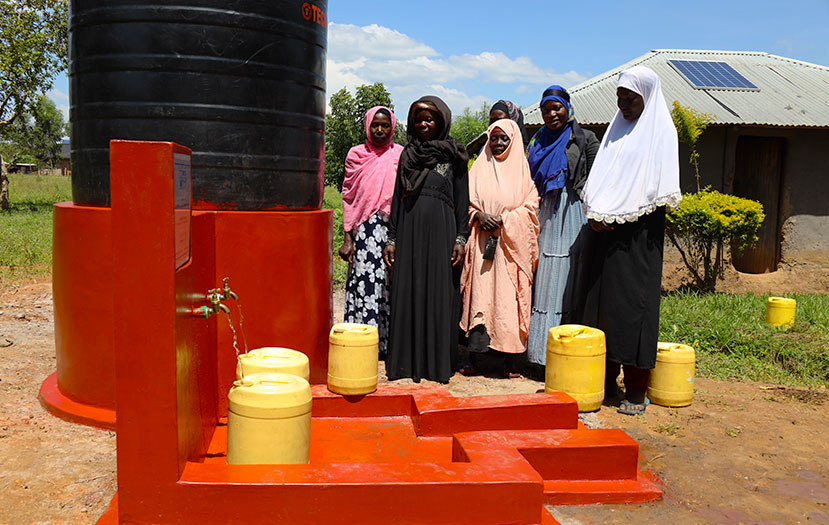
{"x":599,"y":226}
{"x":457,"y":254}
{"x":388,"y":255}
{"x":346,"y":251}
{"x":489,"y":223}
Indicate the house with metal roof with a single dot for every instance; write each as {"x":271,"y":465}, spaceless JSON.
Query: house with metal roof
{"x":768,"y":141}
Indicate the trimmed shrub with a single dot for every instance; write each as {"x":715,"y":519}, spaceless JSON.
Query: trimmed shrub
{"x":706,"y":221}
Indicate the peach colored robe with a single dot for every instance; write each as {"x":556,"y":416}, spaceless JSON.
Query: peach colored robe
{"x":498,"y":293}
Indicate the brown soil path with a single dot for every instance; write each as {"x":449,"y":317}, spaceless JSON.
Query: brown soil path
{"x":741,"y":453}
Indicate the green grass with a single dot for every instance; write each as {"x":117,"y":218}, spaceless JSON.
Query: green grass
{"x":333,"y":199}
{"x":732,"y":341}
{"x":26,"y":229}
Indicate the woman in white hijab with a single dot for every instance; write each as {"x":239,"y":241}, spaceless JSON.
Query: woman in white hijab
{"x":635,"y":175}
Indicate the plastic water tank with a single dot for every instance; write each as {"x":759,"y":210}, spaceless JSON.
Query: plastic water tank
{"x":576,"y":364}
{"x":352,"y":358}
{"x":241,"y":83}
{"x":269,"y":420}
{"x":273,"y":359}
{"x":671,"y":382}
{"x":780,"y":311}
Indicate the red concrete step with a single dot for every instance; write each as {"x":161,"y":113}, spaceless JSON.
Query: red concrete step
{"x":447,"y":415}
{"x":578,"y":467}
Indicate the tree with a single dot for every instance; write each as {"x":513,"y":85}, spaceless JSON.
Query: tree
{"x":467,"y":126}
{"x":33,"y":49}
{"x":707,"y":221}
{"x":689,"y":125}
{"x":344,"y":126}
{"x":37,"y":133}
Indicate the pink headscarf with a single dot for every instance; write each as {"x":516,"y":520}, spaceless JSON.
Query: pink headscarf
{"x":498,"y":294}
{"x":370,"y":172}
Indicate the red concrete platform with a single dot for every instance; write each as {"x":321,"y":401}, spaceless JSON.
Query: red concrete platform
{"x":501,"y":457}
{"x":404,"y":454}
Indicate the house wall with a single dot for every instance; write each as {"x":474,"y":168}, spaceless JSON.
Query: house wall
{"x":805,"y":182}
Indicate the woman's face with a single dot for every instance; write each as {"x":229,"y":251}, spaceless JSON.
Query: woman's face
{"x":630,"y":103}
{"x":496,"y":114}
{"x":554,"y":114}
{"x":380,"y":128}
{"x":498,"y":141}
{"x":425,"y":123}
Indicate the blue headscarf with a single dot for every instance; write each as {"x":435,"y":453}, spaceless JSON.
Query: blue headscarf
{"x":547,"y":153}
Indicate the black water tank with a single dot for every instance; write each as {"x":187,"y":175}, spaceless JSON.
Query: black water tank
{"x":241,"y":82}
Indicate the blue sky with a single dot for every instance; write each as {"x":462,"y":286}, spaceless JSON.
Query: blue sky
{"x":471,"y":52}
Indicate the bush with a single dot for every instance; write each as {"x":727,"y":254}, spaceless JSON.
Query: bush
{"x":703,"y":223}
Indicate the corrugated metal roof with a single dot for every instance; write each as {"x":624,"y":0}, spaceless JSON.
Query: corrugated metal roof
{"x":792,"y":93}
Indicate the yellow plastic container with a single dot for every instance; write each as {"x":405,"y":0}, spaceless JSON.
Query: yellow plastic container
{"x":352,"y":359}
{"x":671,"y":382}
{"x":576,"y":364}
{"x":269,"y":420}
{"x":780,"y":311}
{"x":273,"y":359}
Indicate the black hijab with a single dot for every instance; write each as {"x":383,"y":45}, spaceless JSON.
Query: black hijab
{"x":513,"y":112}
{"x":420,"y":156}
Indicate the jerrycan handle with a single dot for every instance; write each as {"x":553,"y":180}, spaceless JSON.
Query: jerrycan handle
{"x":569,"y":332}
{"x":669,"y":348}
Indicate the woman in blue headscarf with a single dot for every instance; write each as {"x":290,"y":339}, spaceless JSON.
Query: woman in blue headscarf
{"x":560,"y":156}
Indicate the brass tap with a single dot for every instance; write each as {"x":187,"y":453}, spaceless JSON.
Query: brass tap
{"x":216,"y":303}
{"x":214,"y":297}
{"x":227,"y":293}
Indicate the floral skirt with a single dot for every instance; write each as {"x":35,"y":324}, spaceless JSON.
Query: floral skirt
{"x":367,"y":295}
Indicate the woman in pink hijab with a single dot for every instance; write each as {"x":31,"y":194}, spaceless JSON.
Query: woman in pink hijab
{"x":502,"y":251}
{"x":370,"y":171}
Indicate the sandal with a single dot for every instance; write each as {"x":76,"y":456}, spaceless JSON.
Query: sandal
{"x":633,"y":409}
{"x":469,"y":370}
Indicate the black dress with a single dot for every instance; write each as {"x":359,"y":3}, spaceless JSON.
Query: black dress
{"x":625,"y":286}
{"x":425,"y":288}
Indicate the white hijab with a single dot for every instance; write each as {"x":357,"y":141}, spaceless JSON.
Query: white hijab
{"x":637,"y":165}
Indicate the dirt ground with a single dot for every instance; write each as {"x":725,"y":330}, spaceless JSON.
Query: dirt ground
{"x":742,"y":453}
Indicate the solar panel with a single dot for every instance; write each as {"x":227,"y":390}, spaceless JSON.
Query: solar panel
{"x":704,"y":74}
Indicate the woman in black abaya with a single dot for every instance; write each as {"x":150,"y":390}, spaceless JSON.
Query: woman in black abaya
{"x":425,"y":248}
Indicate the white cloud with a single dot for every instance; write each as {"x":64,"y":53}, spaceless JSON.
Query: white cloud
{"x":349,"y":42}
{"x":409,"y":68}
{"x":61,"y":100}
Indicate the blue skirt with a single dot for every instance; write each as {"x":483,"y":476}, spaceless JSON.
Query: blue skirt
{"x":557,"y":278}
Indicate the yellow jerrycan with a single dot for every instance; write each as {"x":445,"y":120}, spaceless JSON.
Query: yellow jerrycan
{"x":576,"y":364}
{"x":269,"y":420}
{"x":273,"y":359}
{"x":671,"y":383}
{"x":352,"y":359}
{"x":780,"y":311}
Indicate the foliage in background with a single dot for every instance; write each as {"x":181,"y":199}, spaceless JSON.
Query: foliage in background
{"x":705,"y":222}
{"x":333,"y":200}
{"x":35,"y":135}
{"x":33,"y":49}
{"x":26,"y":228}
{"x":690,"y":124}
{"x":469,"y":124}
{"x":732,"y":341}
{"x":344,"y":126}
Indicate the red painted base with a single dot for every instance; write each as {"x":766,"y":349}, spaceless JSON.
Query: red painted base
{"x":251,"y":247}
{"x":370,"y":456}
{"x":57,"y":404}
